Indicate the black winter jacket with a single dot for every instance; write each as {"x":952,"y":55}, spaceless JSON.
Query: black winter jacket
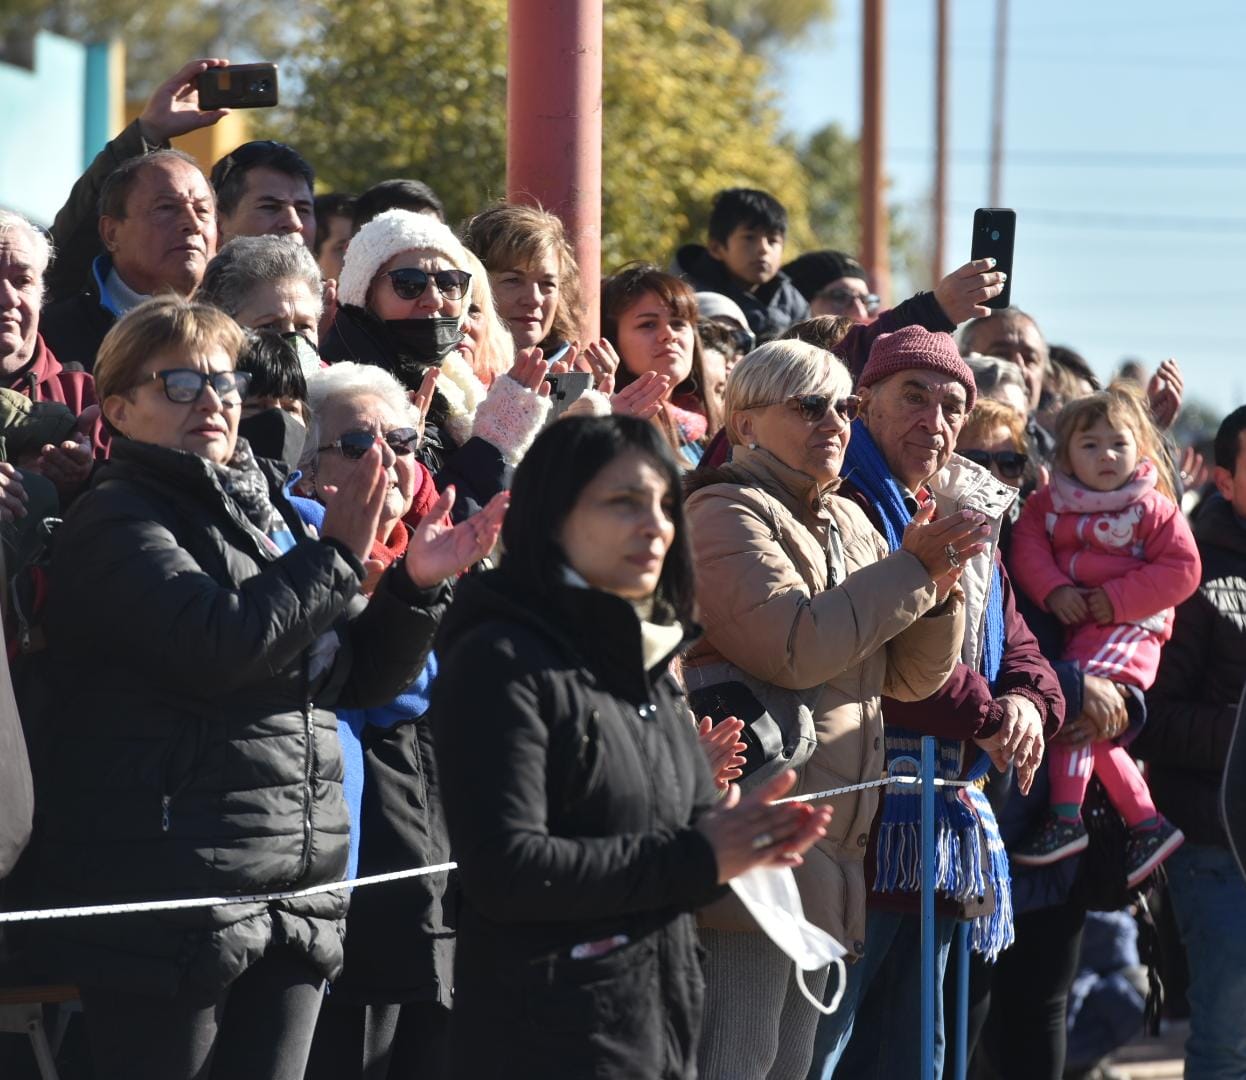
{"x":571,"y":778}
{"x":770,"y":310}
{"x":476,"y":469}
{"x":1192,"y":707}
{"x":193,"y":751}
{"x":75,"y":327}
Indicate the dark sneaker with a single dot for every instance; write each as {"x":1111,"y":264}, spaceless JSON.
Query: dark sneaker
{"x":1147,"y":848}
{"x":1056,"y":838}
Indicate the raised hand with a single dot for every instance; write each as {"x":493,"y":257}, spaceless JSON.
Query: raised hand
{"x":1164,"y":392}
{"x":529,"y":370}
{"x":963,"y":293}
{"x":439,"y":549}
{"x":422,"y":399}
{"x":643,"y":397}
{"x":601,"y":357}
{"x":754,"y":831}
{"x":935,"y":542}
{"x":353,"y":510}
{"x":173,"y":108}
{"x":724,"y":748}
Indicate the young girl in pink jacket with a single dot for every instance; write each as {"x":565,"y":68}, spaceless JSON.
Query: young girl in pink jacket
{"x":1106,"y":549}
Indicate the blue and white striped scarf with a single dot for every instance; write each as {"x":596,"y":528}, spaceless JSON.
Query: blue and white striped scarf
{"x":961,"y":873}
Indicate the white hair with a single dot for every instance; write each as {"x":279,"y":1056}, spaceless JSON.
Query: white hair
{"x":40,"y":245}
{"x":347,"y":380}
{"x":780,"y":370}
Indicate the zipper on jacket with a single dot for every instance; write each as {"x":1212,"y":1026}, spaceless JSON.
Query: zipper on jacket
{"x":309,"y":735}
{"x":165,"y":802}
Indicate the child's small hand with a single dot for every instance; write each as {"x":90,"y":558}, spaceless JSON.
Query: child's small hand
{"x":1067,"y":605}
{"x":1100,"y":607}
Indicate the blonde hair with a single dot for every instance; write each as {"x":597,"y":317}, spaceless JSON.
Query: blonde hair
{"x":989,"y":414}
{"x":496,"y":352}
{"x":1123,"y":406}
{"x":512,"y":235}
{"x":777,"y":371}
{"x":162,"y":323}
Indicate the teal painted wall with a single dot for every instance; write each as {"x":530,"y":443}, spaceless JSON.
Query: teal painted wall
{"x":56,"y":115}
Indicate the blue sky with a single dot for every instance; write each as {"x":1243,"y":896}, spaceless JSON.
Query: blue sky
{"x":1125,"y":157}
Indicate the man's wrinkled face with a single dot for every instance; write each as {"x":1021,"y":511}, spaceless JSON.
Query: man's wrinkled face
{"x":21,"y":292}
{"x":914,"y":417}
{"x":1017,"y":339}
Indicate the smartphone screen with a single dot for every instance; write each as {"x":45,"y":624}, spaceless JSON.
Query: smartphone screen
{"x":994,"y":231}
{"x":566,"y":388}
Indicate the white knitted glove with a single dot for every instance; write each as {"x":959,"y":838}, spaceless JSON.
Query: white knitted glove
{"x":510,"y":417}
{"x":589,"y":403}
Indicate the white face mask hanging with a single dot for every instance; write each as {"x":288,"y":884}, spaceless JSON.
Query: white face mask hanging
{"x":771,"y":896}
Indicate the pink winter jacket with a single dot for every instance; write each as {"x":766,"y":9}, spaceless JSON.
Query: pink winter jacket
{"x":1133,"y":543}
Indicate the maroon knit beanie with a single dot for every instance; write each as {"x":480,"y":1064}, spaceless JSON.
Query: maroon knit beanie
{"x":914,"y":347}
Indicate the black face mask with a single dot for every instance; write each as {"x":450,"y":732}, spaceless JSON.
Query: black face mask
{"x":426,"y":341}
{"x":274,"y":434}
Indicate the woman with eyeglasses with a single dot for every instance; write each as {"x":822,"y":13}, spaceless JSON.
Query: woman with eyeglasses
{"x":808,"y":621}
{"x":994,"y":437}
{"x":388,"y":1013}
{"x":193,"y":752}
{"x":405,"y":306}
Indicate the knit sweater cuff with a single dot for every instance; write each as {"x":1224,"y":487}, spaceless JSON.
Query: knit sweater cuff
{"x":589,"y":403}
{"x":510,"y":417}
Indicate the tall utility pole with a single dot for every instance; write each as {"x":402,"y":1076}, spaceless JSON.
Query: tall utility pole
{"x":553,"y":125}
{"x":939,"y":210}
{"x":995,"y":196}
{"x":874,"y":253}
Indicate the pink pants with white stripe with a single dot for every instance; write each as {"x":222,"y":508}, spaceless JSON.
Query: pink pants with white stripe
{"x":1123,"y":652}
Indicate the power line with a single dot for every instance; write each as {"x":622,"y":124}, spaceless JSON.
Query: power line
{"x":1107,"y":219}
{"x":1108,"y":159}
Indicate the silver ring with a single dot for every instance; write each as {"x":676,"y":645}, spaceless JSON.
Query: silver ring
{"x":762,"y":840}
{"x":953,"y":556}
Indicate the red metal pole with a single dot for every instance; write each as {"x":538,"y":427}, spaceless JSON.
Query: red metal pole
{"x":553,"y":125}
{"x":873,"y":208}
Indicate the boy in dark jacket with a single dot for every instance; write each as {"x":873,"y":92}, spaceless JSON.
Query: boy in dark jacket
{"x":1191,"y":715}
{"x":742,"y":259}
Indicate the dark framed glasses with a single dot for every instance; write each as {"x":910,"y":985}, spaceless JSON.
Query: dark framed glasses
{"x":814,"y":407}
{"x":410,"y":282}
{"x":1011,"y":463}
{"x":183,"y":386}
{"x":845,"y":298}
{"x":354,"y":444}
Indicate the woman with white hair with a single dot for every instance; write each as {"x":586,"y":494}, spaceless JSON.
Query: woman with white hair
{"x":392,"y":1001}
{"x":269,"y":283}
{"x":404,"y":295}
{"x":808,"y":621}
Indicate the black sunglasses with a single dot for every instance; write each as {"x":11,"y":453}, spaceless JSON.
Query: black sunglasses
{"x":183,"y":386}
{"x":813,"y":407}
{"x":1011,"y":463}
{"x":354,"y":444}
{"x":410,"y":282}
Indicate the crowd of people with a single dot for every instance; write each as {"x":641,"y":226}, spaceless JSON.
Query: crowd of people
{"x":335,"y":546}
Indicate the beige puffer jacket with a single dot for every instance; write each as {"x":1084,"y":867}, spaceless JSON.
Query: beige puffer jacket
{"x":760,"y":533}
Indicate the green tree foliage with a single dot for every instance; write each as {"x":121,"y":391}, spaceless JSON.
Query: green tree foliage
{"x":764,"y":25}
{"x":413,"y":88}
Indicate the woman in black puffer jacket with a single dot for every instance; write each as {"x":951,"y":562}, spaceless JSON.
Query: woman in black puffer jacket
{"x":580,"y":808}
{"x":204,"y":636}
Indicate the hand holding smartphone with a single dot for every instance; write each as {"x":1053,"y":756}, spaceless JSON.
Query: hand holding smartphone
{"x":994,"y":233}
{"x":239,"y":86}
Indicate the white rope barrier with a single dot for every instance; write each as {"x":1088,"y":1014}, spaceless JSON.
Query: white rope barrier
{"x":85,"y":911}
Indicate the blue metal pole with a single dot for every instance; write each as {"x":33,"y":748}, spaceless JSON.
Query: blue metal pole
{"x":928,"y":907}
{"x":960,"y":1058}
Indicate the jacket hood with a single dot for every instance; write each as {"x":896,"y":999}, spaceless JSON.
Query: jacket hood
{"x":760,"y":468}
{"x":598,"y":629}
{"x":1218,"y":526}
{"x":43,"y":367}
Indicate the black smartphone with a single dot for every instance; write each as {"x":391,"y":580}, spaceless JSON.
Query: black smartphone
{"x":239,"y":86}
{"x":567,"y":388}
{"x":994,"y":231}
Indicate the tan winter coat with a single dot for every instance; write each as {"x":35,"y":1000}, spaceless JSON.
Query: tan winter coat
{"x":760,"y":533}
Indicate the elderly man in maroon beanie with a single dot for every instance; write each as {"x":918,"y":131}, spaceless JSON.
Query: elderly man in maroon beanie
{"x":997,"y":707}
